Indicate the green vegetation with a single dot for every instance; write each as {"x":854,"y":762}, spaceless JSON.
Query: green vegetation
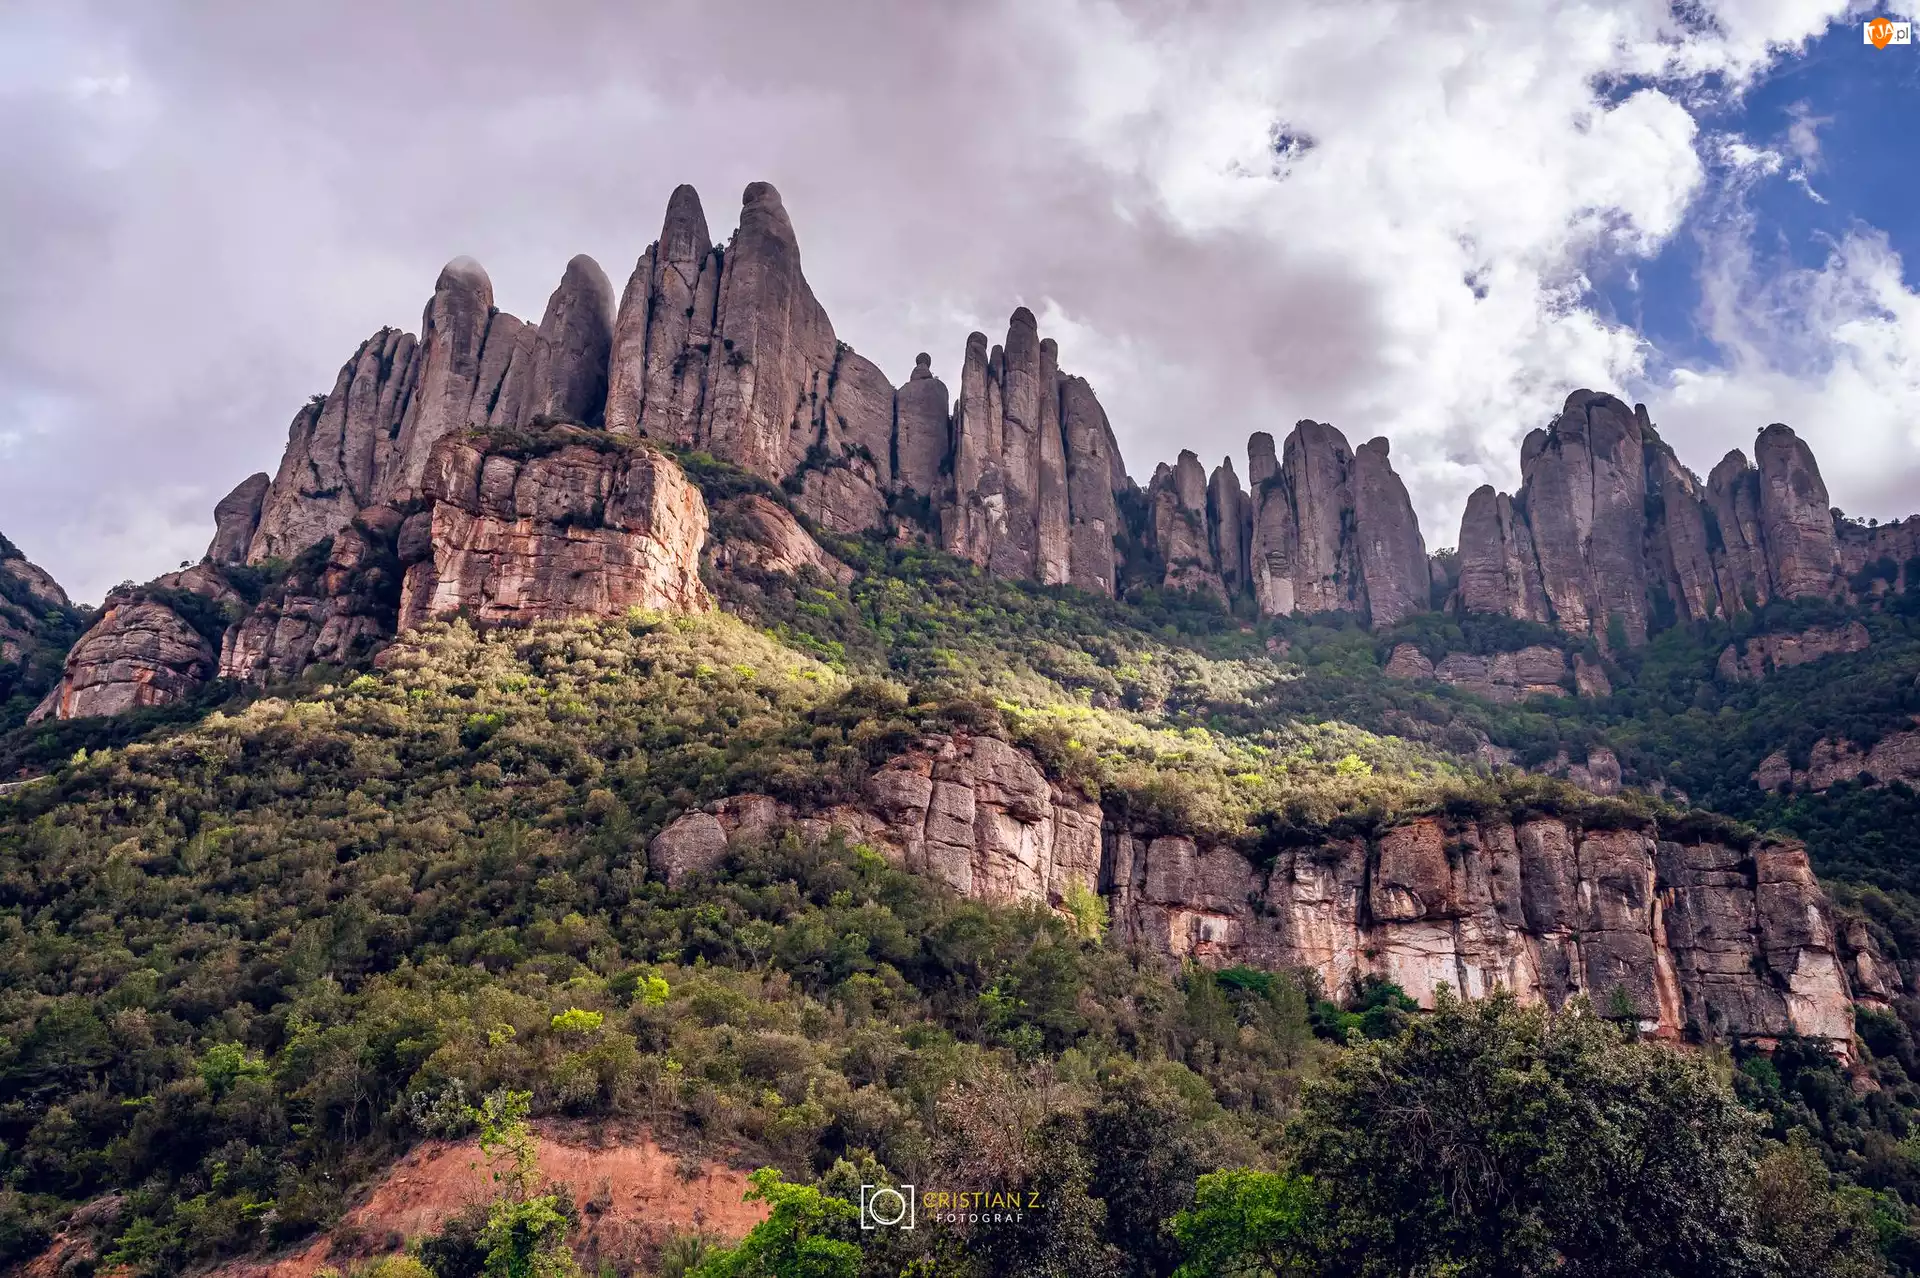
{"x":256,"y":947}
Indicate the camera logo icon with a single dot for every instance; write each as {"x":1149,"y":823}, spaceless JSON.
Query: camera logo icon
{"x":886,"y":1206}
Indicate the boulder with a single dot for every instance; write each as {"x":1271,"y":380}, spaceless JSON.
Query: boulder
{"x":692,"y":844}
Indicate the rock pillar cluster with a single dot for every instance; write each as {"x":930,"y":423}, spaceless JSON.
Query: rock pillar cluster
{"x":1611,"y":536}
{"x":1323,"y":528}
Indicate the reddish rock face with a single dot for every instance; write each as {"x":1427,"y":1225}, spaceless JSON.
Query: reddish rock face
{"x":140,"y":653}
{"x":27,"y":592}
{"x":1501,"y":676}
{"x":577,"y":532}
{"x":1691,"y":939}
{"x":1895,"y":757}
{"x":760,"y":535}
{"x":338,"y":615}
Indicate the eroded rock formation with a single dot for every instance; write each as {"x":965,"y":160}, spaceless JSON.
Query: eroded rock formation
{"x":1894,"y":757}
{"x":757,"y":534}
{"x":1757,"y":657}
{"x":337,"y":612}
{"x":140,"y":653}
{"x":1693,"y":938}
{"x":1536,"y":670}
{"x":27,"y":593}
{"x":582,"y":525}
{"x":726,"y":349}
{"x":1611,"y":536}
{"x":1321,"y":529}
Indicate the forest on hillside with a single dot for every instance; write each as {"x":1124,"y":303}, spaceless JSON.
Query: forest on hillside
{"x":258,"y":945}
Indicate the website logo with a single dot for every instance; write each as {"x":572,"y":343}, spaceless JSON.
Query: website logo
{"x":1882,"y":32}
{"x":886,"y":1206}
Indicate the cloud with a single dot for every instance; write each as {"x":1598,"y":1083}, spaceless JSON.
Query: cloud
{"x":1232,"y":215}
{"x":1833,"y":350}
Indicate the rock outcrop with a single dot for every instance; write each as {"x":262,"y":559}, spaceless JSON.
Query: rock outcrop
{"x":973,"y":813}
{"x":140,"y":653}
{"x":981,"y":817}
{"x":1691,"y":937}
{"x":337,"y":612}
{"x":1177,"y":497}
{"x":340,"y":448}
{"x":236,"y":518}
{"x":726,"y":349}
{"x":1796,"y":523}
{"x":580,"y":525}
{"x":756,"y":534}
{"x":1894,"y":757}
{"x":1321,"y":529}
{"x":1536,"y":670}
{"x":1611,"y":536}
{"x":1030,"y":488}
{"x":28,"y":593}
{"x":1393,"y":557}
{"x":1759,"y":656}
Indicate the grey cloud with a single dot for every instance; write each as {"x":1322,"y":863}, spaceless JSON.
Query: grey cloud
{"x":182,"y":265}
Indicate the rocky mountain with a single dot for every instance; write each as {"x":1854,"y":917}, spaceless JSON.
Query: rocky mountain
{"x":723,"y":349}
{"x":1611,"y":536}
{"x":38,"y":623}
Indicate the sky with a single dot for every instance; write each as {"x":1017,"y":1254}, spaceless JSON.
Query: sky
{"x":1428,"y":220}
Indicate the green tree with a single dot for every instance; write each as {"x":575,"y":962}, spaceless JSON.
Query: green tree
{"x":1248,"y":1224}
{"x":1492,"y":1139}
{"x":806,"y":1235}
{"x":1809,"y":1228}
{"x":526,"y":1231}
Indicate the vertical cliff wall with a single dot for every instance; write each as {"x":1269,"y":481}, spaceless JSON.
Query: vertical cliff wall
{"x":1610,"y":534}
{"x":1692,"y":937}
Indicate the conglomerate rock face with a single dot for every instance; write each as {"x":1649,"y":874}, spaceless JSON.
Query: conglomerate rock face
{"x":1610,"y":535}
{"x":338,"y":613}
{"x":1690,"y":938}
{"x":578,"y":531}
{"x":140,"y":653}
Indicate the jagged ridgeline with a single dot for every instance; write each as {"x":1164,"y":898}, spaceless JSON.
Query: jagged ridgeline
{"x":507,"y":472}
{"x":723,"y":350}
{"x":658,"y":710}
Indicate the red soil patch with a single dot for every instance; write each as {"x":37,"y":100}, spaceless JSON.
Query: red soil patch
{"x":630,"y":1192}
